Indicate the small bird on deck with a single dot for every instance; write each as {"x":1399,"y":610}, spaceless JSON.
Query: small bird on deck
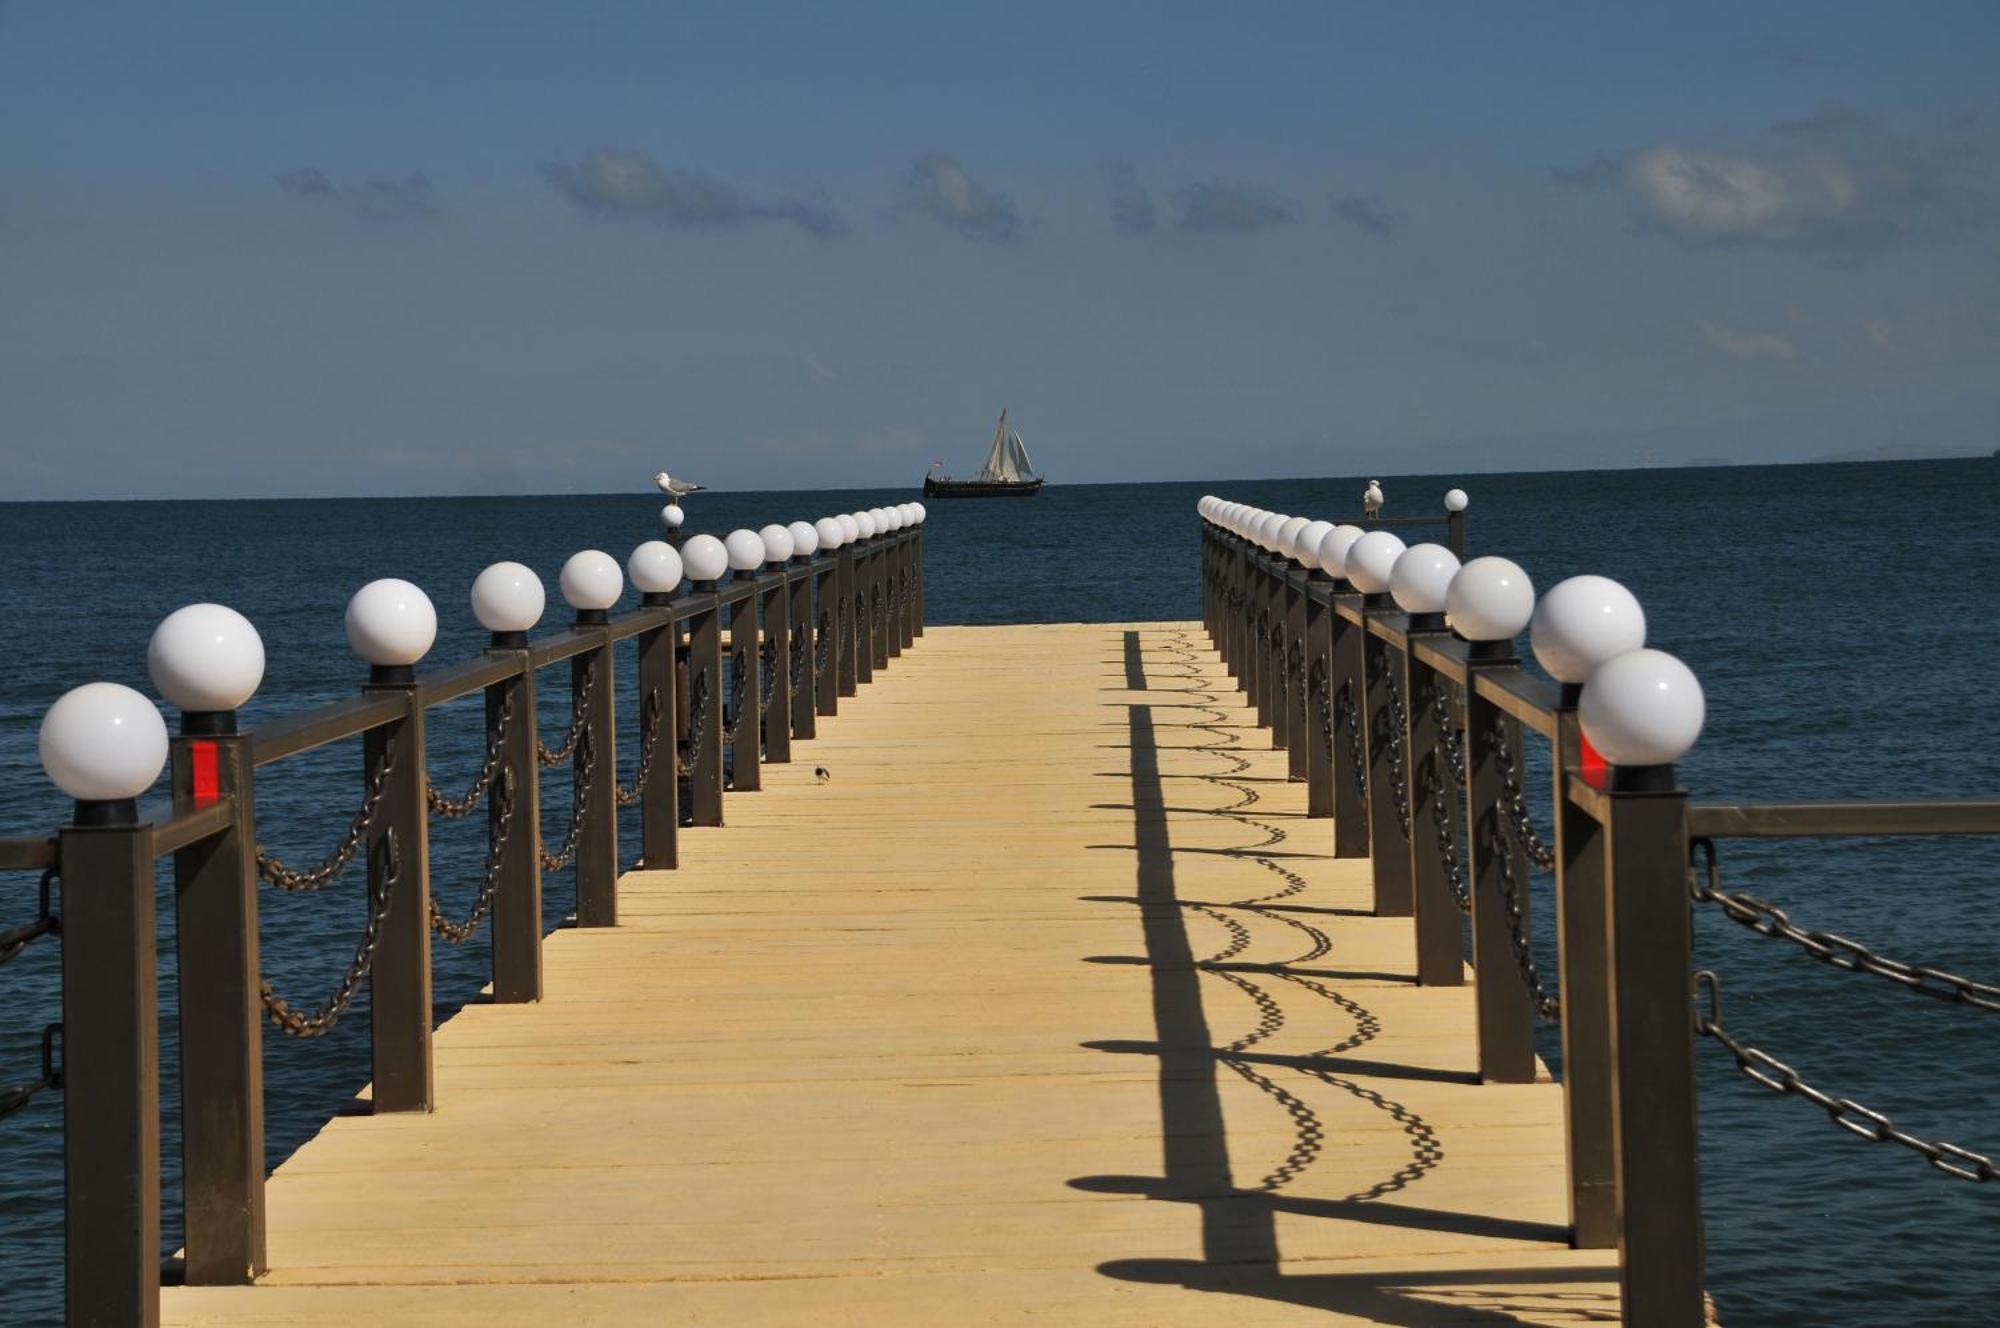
{"x":821,"y":774}
{"x":1371,"y":500}
{"x":677,"y":488}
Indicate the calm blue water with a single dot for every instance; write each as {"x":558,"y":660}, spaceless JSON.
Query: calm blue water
{"x":1843,"y":619}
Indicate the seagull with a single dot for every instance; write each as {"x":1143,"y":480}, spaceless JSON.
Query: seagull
{"x":1371,"y":501}
{"x":820,"y":773}
{"x":678,"y":488}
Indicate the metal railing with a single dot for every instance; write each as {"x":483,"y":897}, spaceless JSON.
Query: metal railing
{"x":97,"y":895}
{"x":1411,"y":739}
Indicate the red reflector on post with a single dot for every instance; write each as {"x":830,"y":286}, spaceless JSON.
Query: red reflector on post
{"x":207,"y":784}
{"x":1591,"y":763}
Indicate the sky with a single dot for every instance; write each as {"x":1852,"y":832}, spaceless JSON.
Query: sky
{"x":276,"y":249}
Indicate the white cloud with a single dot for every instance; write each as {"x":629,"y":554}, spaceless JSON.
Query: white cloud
{"x":943,"y":189}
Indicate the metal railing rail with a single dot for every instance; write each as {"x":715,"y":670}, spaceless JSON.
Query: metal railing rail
{"x":783,"y":619}
{"x":1411,"y":743}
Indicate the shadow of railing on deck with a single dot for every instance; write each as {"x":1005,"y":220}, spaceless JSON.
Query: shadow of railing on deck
{"x":1238,"y":1224}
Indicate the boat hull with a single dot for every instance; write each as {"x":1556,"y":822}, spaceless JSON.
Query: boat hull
{"x":937,"y":488}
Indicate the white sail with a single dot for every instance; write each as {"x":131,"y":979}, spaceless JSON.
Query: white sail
{"x":1017,"y":453}
{"x":1000,"y":467}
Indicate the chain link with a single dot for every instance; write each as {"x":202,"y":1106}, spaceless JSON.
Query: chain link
{"x":649,"y":738}
{"x":321,"y":1021}
{"x":797,"y":650}
{"x":767,"y":667}
{"x":1769,"y":920}
{"x":697,"y":719}
{"x":458,"y":933}
{"x":739,"y":685}
{"x":1547,"y":1004}
{"x":1317,"y":690}
{"x":579,"y":715}
{"x":1399,"y":774}
{"x":318,"y":878}
{"x":1514,"y":806}
{"x":47,"y":920}
{"x":1849,"y":1115}
{"x":1442,"y":822}
{"x":586,"y":765}
{"x":1347,"y":717}
{"x":1449,"y":737}
{"x":20,"y":1095}
{"x":453,"y":809}
{"x":824,"y":652}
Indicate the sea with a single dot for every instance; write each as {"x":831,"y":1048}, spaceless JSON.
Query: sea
{"x":1844,"y":620}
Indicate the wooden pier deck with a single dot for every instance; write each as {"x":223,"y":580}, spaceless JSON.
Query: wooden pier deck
{"x":1039,"y":1008}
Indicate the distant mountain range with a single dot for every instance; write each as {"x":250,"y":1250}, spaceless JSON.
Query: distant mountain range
{"x":1909,"y":452}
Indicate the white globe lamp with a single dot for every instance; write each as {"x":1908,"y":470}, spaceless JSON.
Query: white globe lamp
{"x":207,"y":660}
{"x":391,"y":624}
{"x":1308,"y":542}
{"x":592,"y":582}
{"x":1371,"y":561}
{"x":850,"y":527}
{"x":1288,"y":535}
{"x":1582,"y":622}
{"x":103,"y":744}
{"x":1488,"y":603}
{"x":655,"y":569}
{"x":746,"y":551}
{"x":1455,"y":500}
{"x":777,"y":544}
{"x":705,"y":560}
{"x":1419,"y":580}
{"x":673,"y":516}
{"x":831,"y":533}
{"x":866,"y":524}
{"x":1642,"y":710}
{"x":508,"y":599}
{"x":805,"y":540}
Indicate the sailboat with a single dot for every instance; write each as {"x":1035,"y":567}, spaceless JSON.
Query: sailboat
{"x":1007,"y":473}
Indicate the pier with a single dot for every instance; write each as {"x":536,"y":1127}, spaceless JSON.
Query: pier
{"x":1147,"y":973}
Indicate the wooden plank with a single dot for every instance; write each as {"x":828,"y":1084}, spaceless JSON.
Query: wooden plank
{"x":1037,"y":1006}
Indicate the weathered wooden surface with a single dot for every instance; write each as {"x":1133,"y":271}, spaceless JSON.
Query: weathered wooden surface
{"x":1039,"y":1007}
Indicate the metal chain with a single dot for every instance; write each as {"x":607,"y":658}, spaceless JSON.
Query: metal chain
{"x":321,"y":1021}
{"x":453,"y":809}
{"x":1447,"y":838}
{"x":458,"y":933}
{"x":649,"y":738}
{"x":1449,"y":737}
{"x":1848,"y":1114}
{"x":739,"y":673}
{"x":1769,"y":920}
{"x":767,"y":666}
{"x":586,"y":763}
{"x":1399,"y":775}
{"x":46,"y":921}
{"x":1317,"y":693}
{"x":318,"y":878}
{"x":1347,"y":717}
{"x":1547,"y":1004}
{"x":1279,"y":657}
{"x":1514,"y":806}
{"x":20,"y":1095}
{"x":796,"y":652}
{"x":579,"y":715}
{"x":697,"y":719}
{"x":825,"y":643}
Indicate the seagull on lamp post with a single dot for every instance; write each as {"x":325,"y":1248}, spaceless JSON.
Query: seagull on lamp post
{"x":673,"y":487}
{"x":1371,"y":500}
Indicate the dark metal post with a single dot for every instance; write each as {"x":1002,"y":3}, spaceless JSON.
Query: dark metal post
{"x":1298,"y":668}
{"x":596,"y":781}
{"x":1455,"y":534}
{"x":1319,"y":735}
{"x":517,"y":894}
{"x":1261,"y":677}
{"x":775,"y":654}
{"x":1347,"y":691}
{"x":746,"y":773}
{"x":860,"y":654}
{"x":1278,"y":641}
{"x":798,"y":613}
{"x":399,"y":984}
{"x":878,"y":601}
{"x":917,"y":583}
{"x":1388,"y":767}
{"x":897,"y":577}
{"x":1652,"y":1050}
{"x":1433,"y":794}
{"x":111,"y":1074}
{"x":660,"y":799}
{"x":1504,"y":1009}
{"x":705,"y":700}
{"x":221,"y":1015}
{"x":830,"y":666}
{"x":1584,"y":959}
